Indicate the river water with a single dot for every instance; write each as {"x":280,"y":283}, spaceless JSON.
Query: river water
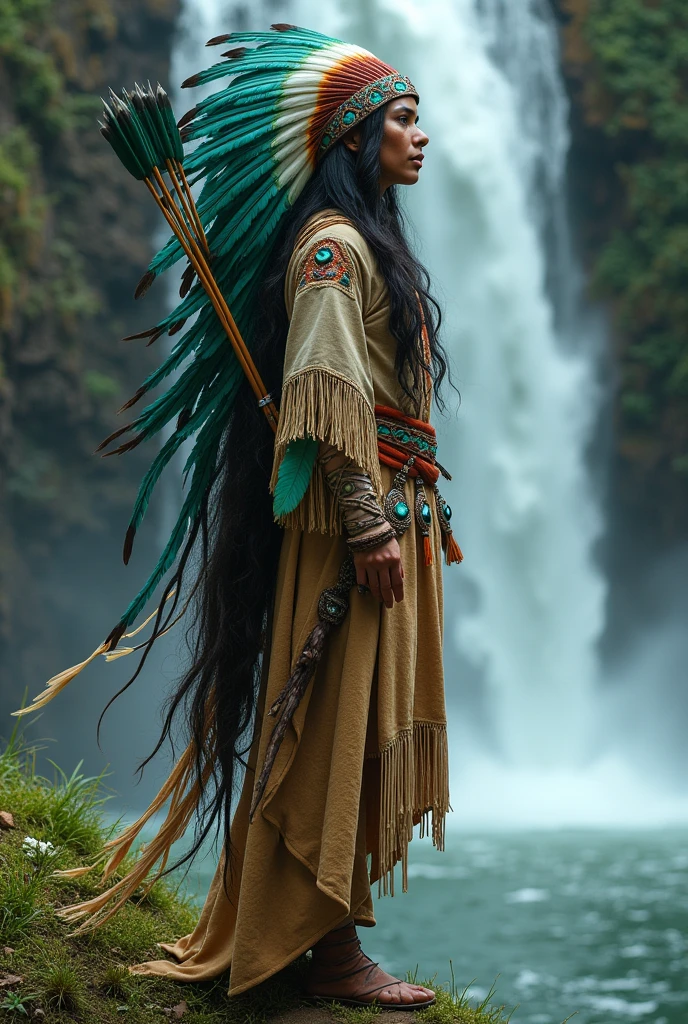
{"x":586,"y":921}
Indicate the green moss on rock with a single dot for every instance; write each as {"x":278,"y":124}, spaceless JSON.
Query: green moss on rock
{"x":75,"y":236}
{"x":627,"y":61}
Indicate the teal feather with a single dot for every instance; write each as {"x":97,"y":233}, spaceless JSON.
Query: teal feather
{"x":166,"y":257}
{"x":294,"y":474}
{"x":225,"y":394}
{"x":242,"y":202}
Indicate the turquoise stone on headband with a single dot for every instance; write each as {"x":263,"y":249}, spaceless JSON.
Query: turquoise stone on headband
{"x":323,"y":256}
{"x":349,"y":117}
{"x":401,"y":509}
{"x":375,"y":96}
{"x":327,"y":139}
{"x":400,"y":86}
{"x":425,"y":514}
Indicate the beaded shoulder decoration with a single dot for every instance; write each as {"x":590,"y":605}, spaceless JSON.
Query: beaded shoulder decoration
{"x":327,"y":263}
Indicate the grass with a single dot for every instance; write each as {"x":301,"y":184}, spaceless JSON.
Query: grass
{"x":85,"y":978}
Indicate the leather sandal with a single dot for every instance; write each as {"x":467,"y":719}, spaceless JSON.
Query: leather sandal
{"x":350,"y":949}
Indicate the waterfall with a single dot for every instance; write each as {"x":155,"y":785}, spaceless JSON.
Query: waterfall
{"x":526,"y":608}
{"x":525,"y":611}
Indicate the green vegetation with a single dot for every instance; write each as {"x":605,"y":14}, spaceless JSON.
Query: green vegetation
{"x":38,"y":86}
{"x":637,"y":93}
{"x":75,"y":236}
{"x":86,"y":977}
{"x":44,"y":110}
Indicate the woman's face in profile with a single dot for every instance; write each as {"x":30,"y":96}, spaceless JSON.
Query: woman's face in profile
{"x":403,"y":141}
{"x":401,"y":149}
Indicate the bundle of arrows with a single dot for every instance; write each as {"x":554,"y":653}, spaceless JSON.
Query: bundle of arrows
{"x":141,"y":129}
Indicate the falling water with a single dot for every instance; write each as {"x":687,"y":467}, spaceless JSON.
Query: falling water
{"x":525,"y":609}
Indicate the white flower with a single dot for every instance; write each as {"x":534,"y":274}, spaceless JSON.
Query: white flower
{"x":33,"y":847}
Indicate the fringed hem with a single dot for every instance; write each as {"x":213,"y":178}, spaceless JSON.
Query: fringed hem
{"x":322,"y":404}
{"x":182,"y":789}
{"x":414,"y":784}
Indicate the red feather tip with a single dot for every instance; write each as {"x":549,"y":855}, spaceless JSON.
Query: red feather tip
{"x":238,"y":51}
{"x":216,"y":40}
{"x":283,"y":27}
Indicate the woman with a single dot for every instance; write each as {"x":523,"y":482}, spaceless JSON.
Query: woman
{"x":350,"y":331}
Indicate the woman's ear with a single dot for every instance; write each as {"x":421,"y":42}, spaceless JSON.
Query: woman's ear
{"x":352,"y":139}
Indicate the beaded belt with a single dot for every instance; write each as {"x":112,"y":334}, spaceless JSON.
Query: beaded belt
{"x":410,"y":446}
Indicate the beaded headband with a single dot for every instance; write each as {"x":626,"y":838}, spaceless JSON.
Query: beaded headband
{"x":362,"y":104}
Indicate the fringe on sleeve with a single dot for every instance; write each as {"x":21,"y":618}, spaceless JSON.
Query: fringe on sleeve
{"x":320,"y":403}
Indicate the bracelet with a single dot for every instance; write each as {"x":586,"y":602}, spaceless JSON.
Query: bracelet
{"x":366,"y":543}
{"x":354,"y":494}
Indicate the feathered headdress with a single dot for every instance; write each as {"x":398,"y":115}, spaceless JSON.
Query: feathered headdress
{"x":292,"y":93}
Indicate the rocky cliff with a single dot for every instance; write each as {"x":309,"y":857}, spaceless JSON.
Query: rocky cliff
{"x":626,"y":63}
{"x":75,"y":236}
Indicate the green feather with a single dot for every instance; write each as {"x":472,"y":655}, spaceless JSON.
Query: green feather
{"x":294,"y":474}
{"x":140,"y":128}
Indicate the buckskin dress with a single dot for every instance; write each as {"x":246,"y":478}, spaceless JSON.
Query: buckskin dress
{"x":365,"y":757}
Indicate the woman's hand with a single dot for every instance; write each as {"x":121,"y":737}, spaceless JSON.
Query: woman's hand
{"x":382,"y":571}
{"x":378,"y":568}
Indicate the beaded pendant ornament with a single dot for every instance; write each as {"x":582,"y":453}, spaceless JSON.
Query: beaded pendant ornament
{"x":396,"y":509}
{"x":423,"y":518}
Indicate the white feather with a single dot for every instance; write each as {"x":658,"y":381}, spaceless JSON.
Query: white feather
{"x":293,"y":162}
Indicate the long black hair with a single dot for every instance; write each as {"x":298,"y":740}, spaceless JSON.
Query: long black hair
{"x":234,"y":549}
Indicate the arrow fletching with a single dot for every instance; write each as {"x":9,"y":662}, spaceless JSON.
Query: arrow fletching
{"x":141,"y":128}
